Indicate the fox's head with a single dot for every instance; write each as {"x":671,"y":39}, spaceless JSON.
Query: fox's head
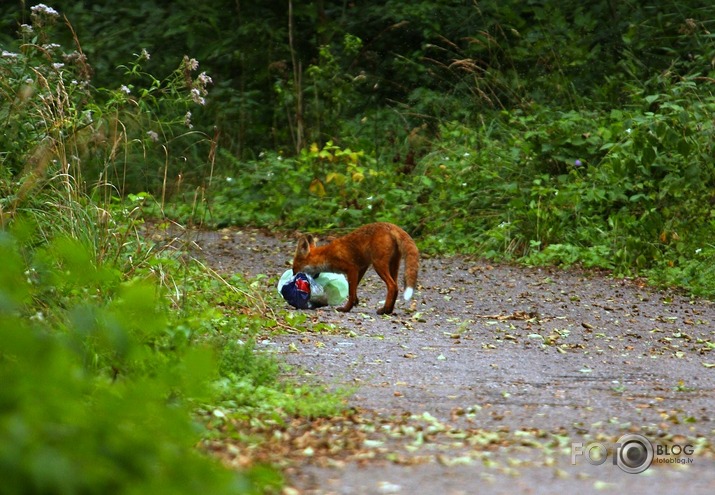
{"x":301,"y":259}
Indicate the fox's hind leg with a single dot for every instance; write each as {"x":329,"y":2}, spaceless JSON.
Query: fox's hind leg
{"x":386,"y":271}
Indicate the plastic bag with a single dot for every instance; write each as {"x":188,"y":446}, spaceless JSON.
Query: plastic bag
{"x":335,"y":286}
{"x":305,"y":292}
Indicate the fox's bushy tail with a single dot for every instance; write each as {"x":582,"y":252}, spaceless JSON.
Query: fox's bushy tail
{"x":411,"y":255}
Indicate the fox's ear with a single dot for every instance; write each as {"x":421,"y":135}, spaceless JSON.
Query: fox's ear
{"x":304,"y":244}
{"x":312,"y":240}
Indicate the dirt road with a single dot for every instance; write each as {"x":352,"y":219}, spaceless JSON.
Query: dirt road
{"x":502,"y":379}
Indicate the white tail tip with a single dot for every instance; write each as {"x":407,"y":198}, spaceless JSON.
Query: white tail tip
{"x":408,"y":293}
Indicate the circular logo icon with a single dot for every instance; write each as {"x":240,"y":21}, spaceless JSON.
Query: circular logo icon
{"x":635,"y":453}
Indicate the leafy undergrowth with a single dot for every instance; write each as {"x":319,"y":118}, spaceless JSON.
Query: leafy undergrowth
{"x":107,"y":377}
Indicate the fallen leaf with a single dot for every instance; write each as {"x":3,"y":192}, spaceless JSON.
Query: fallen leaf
{"x":387,"y":487}
{"x":603,"y":485}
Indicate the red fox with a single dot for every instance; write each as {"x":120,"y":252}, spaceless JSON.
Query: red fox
{"x":381,"y":245}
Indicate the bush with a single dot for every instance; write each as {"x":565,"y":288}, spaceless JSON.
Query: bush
{"x":89,"y":404}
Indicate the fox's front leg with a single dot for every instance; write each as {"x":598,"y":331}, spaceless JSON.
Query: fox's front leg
{"x":353,"y":280}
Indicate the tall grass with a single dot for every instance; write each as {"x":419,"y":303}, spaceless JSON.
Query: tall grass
{"x":72,"y":153}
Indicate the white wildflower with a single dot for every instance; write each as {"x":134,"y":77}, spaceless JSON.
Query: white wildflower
{"x":7,"y":54}
{"x":192,"y":64}
{"x":38,"y":316}
{"x":187,"y":120}
{"x":196,"y":96}
{"x":58,"y":65}
{"x":41,"y":8}
{"x":204,"y":79}
{"x":26,"y":29}
{"x":144,"y":55}
{"x":153,"y":136}
{"x":124,"y":89}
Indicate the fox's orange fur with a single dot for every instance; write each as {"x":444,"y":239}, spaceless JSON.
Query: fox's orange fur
{"x":381,"y":245}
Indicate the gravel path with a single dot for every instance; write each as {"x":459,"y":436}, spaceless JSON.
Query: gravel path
{"x":487,"y":379}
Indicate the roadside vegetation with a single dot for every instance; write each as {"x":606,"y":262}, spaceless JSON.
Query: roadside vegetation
{"x":555,"y":133}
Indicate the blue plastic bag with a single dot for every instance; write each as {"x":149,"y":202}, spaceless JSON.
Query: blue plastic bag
{"x":303,"y":292}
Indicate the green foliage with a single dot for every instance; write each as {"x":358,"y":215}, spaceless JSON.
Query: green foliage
{"x":427,"y":61}
{"x":639,"y":196}
{"x":247,"y":389}
{"x":273,"y":189}
{"x":91,"y":402}
{"x":101,"y":375}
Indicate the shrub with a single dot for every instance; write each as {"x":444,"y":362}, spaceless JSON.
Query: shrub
{"x":88,"y":403}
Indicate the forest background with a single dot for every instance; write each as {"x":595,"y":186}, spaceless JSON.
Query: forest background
{"x":542,"y":132}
